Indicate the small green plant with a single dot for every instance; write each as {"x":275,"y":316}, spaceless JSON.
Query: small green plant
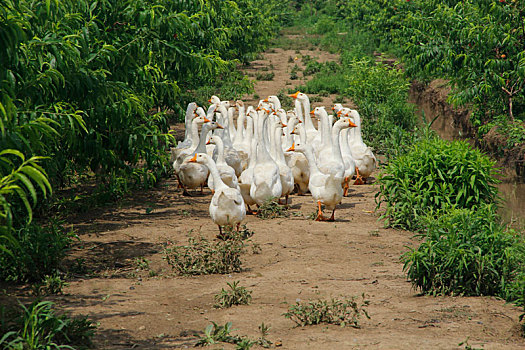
{"x":52,"y":284}
{"x":340,"y":99}
{"x":262,"y":340}
{"x":312,"y":67}
{"x":346,"y":312}
{"x":37,"y":326}
{"x":141,"y":263}
{"x":214,"y":334}
{"x":202,"y":257}
{"x":272,"y":209}
{"x":314,"y":99}
{"x":236,"y":295}
{"x":265,"y":76}
{"x":256,"y":96}
{"x":468,"y":346}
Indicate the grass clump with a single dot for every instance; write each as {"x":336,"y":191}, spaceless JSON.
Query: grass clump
{"x":203,"y":257}
{"x":236,"y":295}
{"x":434,"y":174}
{"x":467,"y":252}
{"x":272,"y":209}
{"x":346,"y":312}
{"x":37,"y":326}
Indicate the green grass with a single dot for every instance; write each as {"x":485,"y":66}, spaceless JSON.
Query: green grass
{"x":38,"y":326}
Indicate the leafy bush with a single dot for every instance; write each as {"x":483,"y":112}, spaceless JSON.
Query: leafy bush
{"x":37,"y":326}
{"x":345,"y":312}
{"x":434,"y":174}
{"x":202,"y":257}
{"x":467,"y":252}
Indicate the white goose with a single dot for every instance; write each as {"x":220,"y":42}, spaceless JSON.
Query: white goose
{"x":348,"y":159}
{"x":226,"y":206}
{"x":285,"y":173}
{"x":246,"y":178}
{"x":227,"y":173}
{"x":230,"y":154}
{"x":302,"y":107}
{"x":193,"y":175}
{"x":325,"y":188}
{"x":182,"y":153}
{"x":266,"y":179}
{"x":298,"y":162}
{"x":187,"y":142}
{"x":365,"y":159}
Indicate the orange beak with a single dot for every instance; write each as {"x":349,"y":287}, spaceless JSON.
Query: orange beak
{"x":333,"y":108}
{"x":291,"y":148}
{"x":219,"y":126}
{"x":194,"y":159}
{"x":208,"y":142}
{"x":295,"y":95}
{"x":283,"y":125}
{"x":293,"y":132}
{"x":351,"y":124}
{"x":206,"y":120}
{"x":312,"y":112}
{"x":300,"y":121}
{"x":209,"y":100}
{"x":265,"y":100}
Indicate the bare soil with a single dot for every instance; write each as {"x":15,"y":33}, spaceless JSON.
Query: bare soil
{"x":300,"y":259}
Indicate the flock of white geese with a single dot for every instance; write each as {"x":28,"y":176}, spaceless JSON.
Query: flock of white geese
{"x":248,"y":155}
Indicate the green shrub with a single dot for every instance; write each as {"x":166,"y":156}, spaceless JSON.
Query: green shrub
{"x":37,"y":252}
{"x":37,"y":326}
{"x":434,"y":174}
{"x":467,"y":252}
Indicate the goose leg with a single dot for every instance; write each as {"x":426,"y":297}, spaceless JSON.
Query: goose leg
{"x":345,"y":187}
{"x":319,"y":213}
{"x":332,"y":218}
{"x":220,"y":232}
{"x":358,"y":179}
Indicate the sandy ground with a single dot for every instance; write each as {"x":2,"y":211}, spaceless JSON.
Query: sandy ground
{"x":300,"y":259}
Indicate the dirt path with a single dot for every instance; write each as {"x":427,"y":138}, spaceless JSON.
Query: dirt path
{"x":145,"y":306}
